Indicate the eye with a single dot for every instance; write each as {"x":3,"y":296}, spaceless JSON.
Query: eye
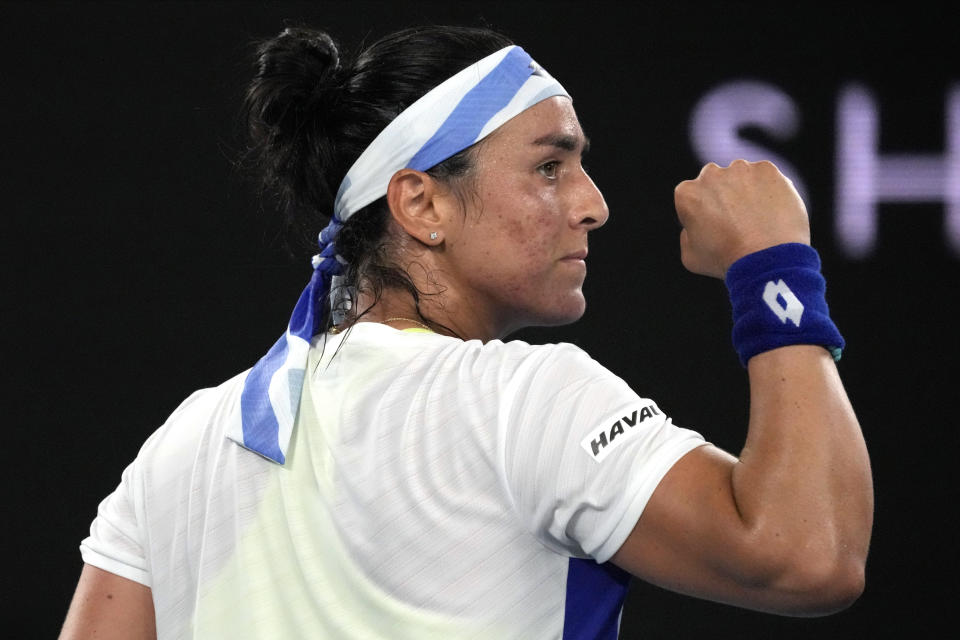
{"x":549,"y":169}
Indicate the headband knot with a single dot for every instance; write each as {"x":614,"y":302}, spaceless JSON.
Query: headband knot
{"x":329,"y":232}
{"x":327,"y":261}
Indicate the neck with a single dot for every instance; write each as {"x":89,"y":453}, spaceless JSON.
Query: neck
{"x":443,"y":306}
{"x":441,"y":312}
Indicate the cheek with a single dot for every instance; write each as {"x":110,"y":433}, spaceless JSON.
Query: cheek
{"x":528,"y":222}
{"x":539,"y":235}
{"x":528,"y":260}
{"x":520,"y":232}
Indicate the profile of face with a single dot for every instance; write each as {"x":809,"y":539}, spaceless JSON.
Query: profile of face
{"x":516,"y":256}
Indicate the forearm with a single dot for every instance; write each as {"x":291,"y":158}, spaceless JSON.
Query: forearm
{"x":803,"y":485}
{"x":785,"y":526}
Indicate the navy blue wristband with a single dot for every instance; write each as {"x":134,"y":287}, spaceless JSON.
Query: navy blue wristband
{"x":778,"y":300}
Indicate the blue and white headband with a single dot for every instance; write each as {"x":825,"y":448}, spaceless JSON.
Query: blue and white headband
{"x":454,"y":115}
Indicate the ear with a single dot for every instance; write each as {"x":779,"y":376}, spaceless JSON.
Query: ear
{"x":419,"y":205}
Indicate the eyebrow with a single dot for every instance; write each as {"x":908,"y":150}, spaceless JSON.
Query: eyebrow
{"x":563,"y":141}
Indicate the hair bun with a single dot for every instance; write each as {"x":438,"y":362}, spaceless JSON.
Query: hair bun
{"x":316,"y":50}
{"x":297,"y":72}
{"x":310,"y":112}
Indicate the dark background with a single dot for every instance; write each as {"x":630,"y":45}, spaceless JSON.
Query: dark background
{"x":137,"y":265}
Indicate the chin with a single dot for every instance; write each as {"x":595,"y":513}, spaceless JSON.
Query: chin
{"x":566,"y":311}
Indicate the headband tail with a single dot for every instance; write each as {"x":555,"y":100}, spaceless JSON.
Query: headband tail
{"x":271,"y":393}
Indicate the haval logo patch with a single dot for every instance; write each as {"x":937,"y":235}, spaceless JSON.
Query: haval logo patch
{"x":601,"y":442}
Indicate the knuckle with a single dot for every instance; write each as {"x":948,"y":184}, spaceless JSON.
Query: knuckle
{"x":767,"y":167}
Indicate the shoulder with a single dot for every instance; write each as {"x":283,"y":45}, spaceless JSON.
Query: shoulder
{"x":494,"y":361}
{"x":529,"y":380}
{"x":198,"y":424}
{"x":517,"y":357}
{"x":555,"y":368}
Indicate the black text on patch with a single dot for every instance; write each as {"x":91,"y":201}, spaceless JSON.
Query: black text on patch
{"x":601,"y":442}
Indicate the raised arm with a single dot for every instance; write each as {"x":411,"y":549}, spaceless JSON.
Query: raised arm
{"x":784,"y":527}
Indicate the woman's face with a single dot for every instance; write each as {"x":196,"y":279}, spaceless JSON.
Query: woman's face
{"x":517,"y":256}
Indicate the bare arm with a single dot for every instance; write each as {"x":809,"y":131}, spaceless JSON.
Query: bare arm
{"x":786,"y":526}
{"x":106,"y":606}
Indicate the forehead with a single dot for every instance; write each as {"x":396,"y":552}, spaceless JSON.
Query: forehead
{"x":550,"y":119}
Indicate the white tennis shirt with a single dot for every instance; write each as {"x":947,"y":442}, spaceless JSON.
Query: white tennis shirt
{"x":433,"y":489}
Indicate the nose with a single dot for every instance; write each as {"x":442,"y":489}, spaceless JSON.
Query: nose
{"x":589,"y":209}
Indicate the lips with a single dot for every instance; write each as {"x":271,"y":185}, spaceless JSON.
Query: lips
{"x":576,"y":255}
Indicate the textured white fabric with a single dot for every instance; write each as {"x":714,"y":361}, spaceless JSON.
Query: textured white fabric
{"x":439,"y":494}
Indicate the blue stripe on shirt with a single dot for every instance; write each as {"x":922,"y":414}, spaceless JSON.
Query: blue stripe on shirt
{"x":595,"y":595}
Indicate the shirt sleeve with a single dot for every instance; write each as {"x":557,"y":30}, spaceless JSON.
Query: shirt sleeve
{"x":115,"y":542}
{"x":583,"y":452}
{"x":119,"y":540}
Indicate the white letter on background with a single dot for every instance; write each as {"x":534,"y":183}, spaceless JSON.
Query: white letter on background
{"x":865,"y":178}
{"x":720,"y":115}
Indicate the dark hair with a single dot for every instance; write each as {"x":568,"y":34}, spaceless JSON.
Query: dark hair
{"x":310,"y":114}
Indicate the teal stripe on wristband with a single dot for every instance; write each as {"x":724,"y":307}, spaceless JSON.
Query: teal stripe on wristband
{"x":778,"y":299}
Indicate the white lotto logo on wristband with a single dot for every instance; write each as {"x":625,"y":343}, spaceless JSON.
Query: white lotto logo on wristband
{"x":792,"y":308}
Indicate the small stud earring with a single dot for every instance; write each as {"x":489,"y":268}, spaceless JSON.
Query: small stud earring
{"x":433,"y":235}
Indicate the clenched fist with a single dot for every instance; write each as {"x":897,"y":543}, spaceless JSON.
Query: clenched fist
{"x":729,"y":212}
